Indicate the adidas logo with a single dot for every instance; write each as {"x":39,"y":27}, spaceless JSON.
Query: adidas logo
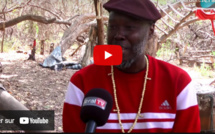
{"x":165,"y":105}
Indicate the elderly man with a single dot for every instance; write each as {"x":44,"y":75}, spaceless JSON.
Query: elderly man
{"x":150,"y":95}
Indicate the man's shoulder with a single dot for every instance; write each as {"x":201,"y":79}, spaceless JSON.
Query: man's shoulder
{"x":166,"y":65}
{"x":168,"y":68}
{"x":171,"y":74}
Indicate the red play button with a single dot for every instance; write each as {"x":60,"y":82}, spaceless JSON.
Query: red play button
{"x":107,"y":55}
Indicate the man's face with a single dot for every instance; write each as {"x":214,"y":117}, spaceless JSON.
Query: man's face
{"x":131,"y":34}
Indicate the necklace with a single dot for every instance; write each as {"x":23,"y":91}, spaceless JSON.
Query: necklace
{"x":141,"y":100}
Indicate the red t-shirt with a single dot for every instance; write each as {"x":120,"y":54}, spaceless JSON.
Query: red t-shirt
{"x":169,"y":105}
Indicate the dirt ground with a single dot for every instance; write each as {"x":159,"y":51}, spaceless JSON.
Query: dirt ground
{"x":36,"y":87}
{"x":41,"y":88}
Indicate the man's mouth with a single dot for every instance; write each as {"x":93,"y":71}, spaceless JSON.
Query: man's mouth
{"x":124,"y":47}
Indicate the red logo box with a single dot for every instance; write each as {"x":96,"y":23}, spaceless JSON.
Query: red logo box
{"x":101,"y":103}
{"x":107,"y":55}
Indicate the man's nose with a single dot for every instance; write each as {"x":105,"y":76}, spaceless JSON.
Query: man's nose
{"x":119,"y":35}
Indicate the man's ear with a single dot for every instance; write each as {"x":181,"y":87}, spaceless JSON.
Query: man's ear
{"x":151,"y":30}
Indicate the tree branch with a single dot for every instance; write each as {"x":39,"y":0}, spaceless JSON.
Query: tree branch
{"x":177,"y":26}
{"x":188,"y":22}
{"x":4,"y":7}
{"x":11,"y":9}
{"x":209,"y":35}
{"x":47,"y":11}
{"x":44,"y":20}
{"x":32,"y":18}
{"x":175,"y":5}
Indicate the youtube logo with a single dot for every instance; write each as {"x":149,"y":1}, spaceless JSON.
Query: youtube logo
{"x":107,"y":55}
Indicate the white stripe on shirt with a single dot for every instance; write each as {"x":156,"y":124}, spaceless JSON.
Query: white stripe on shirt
{"x":187,"y":98}
{"x":74,"y":95}
{"x":139,"y":125}
{"x":148,"y":115}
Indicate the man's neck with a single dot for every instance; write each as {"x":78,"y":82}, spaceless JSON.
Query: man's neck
{"x":137,"y":66}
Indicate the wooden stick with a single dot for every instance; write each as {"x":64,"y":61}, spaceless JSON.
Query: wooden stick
{"x":176,"y":11}
{"x":161,"y":29}
{"x":168,"y":15}
{"x":166,"y":23}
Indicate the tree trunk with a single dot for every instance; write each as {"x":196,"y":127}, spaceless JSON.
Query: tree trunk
{"x":100,"y":25}
{"x":88,"y":51}
{"x":32,"y":55}
{"x":2,"y":43}
{"x":78,"y":27}
{"x":51,"y":48}
{"x":42,"y":47}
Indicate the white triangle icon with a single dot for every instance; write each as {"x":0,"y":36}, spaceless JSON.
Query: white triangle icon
{"x":107,"y":55}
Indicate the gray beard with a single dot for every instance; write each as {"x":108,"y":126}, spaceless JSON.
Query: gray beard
{"x":138,"y":50}
{"x":126,"y":64}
